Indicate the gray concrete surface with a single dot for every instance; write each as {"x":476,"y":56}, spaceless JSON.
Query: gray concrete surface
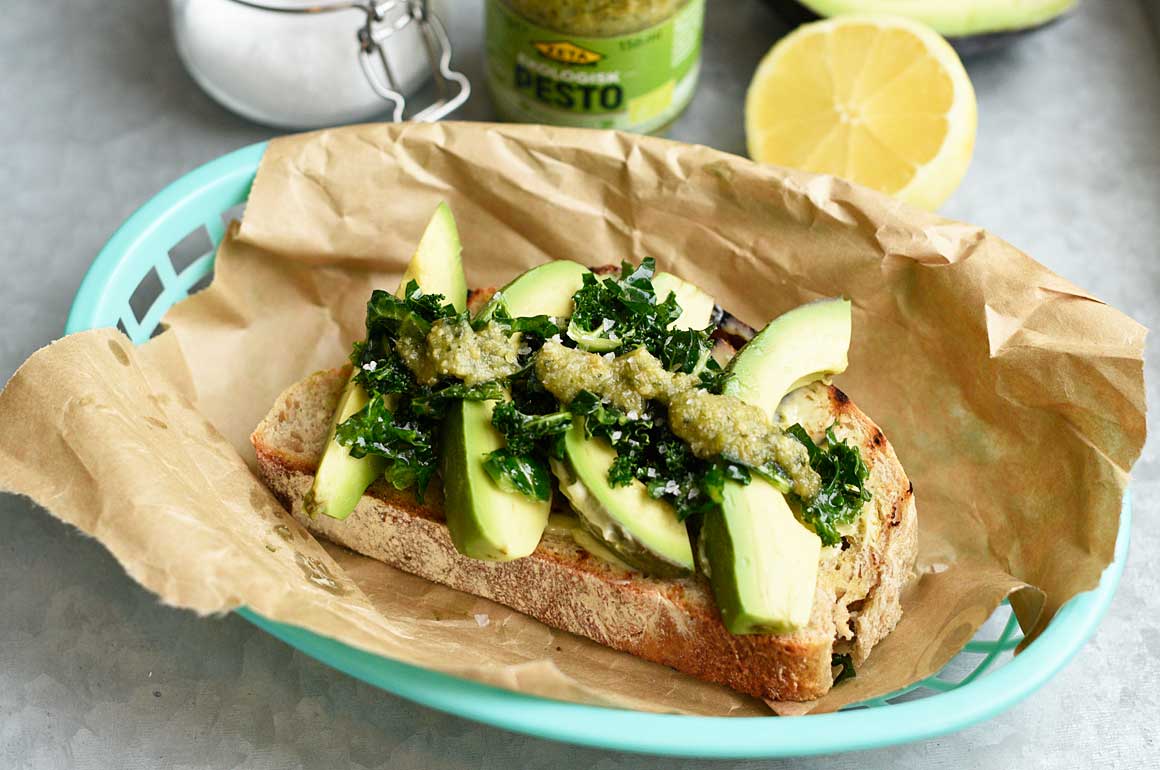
{"x":96,"y":114}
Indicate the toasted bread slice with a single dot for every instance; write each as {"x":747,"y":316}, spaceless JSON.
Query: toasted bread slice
{"x":673,"y":622}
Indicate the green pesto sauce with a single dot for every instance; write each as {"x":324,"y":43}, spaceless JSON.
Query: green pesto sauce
{"x":712,"y":425}
{"x":596,"y":18}
{"x":453,"y":349}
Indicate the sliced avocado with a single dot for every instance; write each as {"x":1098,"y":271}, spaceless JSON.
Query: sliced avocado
{"x":971,"y":26}
{"x":641,"y":530}
{"x":487,"y":522}
{"x":437,"y":266}
{"x":762,"y":562}
{"x":802,"y":346}
{"x":696,"y":304}
{"x":341,"y":479}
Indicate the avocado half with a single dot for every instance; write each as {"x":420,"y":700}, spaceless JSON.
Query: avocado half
{"x":971,"y":26}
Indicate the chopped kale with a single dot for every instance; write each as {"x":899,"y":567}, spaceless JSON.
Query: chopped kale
{"x":843,"y":492}
{"x":405,"y":440}
{"x":379,"y":369}
{"x":623,"y":312}
{"x":520,"y":465}
{"x":411,"y":314}
{"x":686,"y":350}
{"x":524,"y":431}
{"x":846,"y":661}
{"x":526,"y":474}
{"x":433,"y":402}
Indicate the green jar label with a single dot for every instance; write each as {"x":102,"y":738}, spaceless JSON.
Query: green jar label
{"x":635,"y":82}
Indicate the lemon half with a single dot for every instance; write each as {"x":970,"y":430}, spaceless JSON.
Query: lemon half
{"x":881,"y":100}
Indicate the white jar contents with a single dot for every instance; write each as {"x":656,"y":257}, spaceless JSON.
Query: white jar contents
{"x":292,"y":70}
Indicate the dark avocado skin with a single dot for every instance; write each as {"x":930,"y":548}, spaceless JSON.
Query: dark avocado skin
{"x":794,"y":14}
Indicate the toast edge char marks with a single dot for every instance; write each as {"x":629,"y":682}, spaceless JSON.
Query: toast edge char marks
{"x":671,"y":622}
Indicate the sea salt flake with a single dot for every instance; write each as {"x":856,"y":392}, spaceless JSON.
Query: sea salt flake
{"x":482,"y":619}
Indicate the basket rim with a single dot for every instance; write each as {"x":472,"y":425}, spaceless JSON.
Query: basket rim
{"x":622,"y":729}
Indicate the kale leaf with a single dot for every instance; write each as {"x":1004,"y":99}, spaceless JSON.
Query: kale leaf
{"x":519,"y":465}
{"x":433,"y":402}
{"x":843,"y":491}
{"x":413,"y":313}
{"x":686,"y":350}
{"x":846,"y":661}
{"x":524,"y":431}
{"x":407,"y":442}
{"x":379,"y":369}
{"x":526,"y":474}
{"x":623,"y":312}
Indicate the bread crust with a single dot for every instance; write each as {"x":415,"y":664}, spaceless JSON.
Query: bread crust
{"x":674,"y":622}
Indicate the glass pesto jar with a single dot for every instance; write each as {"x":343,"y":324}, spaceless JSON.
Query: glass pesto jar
{"x":624,"y":64}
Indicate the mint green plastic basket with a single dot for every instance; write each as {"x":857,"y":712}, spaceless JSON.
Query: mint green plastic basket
{"x":165,"y":250}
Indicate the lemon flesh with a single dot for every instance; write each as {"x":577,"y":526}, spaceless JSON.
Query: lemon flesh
{"x":880,"y":100}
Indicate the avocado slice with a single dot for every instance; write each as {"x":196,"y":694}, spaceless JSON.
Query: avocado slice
{"x":487,"y":522}
{"x":696,"y":304}
{"x":639,"y":529}
{"x":437,"y":267}
{"x":971,"y":26}
{"x":802,"y":346}
{"x":341,"y":479}
{"x":761,"y":561}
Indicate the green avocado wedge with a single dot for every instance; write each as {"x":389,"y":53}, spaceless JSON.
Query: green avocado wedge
{"x":642,"y":531}
{"x":485,"y":521}
{"x":761,"y":561}
{"x":696,"y":304}
{"x":341,"y":479}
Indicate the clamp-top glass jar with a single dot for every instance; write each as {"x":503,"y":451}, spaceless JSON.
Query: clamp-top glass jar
{"x":311,"y":63}
{"x":625,"y":64}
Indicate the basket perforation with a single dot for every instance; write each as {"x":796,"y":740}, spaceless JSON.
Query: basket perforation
{"x":194,"y":246}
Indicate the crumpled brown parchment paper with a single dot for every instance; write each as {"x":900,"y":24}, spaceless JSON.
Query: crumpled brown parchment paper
{"x":1014,"y":399}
